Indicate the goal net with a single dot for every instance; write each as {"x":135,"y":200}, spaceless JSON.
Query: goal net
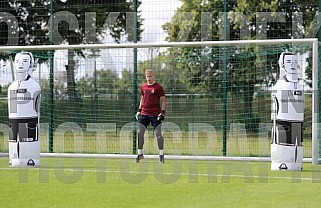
{"x":218,"y":96}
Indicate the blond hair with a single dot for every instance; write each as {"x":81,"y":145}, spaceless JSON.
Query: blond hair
{"x":149,"y":71}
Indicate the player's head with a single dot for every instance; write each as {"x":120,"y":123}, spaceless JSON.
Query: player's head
{"x":288,"y":63}
{"x":150,"y":76}
{"x":23,"y":63}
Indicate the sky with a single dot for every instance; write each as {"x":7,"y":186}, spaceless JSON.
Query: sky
{"x":154,"y":12}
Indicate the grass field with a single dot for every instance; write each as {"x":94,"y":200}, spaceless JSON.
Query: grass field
{"x":90,"y":182}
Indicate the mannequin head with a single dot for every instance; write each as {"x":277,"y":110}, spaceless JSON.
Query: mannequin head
{"x":23,"y":64}
{"x":288,"y":63}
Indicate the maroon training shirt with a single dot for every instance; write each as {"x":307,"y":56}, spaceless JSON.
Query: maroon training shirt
{"x":151,"y":98}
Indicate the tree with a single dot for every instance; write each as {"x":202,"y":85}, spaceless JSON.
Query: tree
{"x":93,"y":18}
{"x":105,"y":79}
{"x":74,"y":22}
{"x":300,"y":22}
{"x":201,"y":69}
{"x":164,"y":73}
{"x":100,"y":23}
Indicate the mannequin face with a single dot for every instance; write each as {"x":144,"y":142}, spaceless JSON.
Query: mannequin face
{"x":290,"y":64}
{"x":22,"y":63}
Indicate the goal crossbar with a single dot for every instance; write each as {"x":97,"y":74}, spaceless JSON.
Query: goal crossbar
{"x":160,"y":44}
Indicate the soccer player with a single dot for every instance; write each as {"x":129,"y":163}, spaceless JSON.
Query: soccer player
{"x":152,"y":107}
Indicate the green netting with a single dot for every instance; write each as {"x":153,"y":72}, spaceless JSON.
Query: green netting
{"x":222,"y":93}
{"x":202,"y":113}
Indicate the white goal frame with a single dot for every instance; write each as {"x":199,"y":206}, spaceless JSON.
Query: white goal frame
{"x":315,"y":104}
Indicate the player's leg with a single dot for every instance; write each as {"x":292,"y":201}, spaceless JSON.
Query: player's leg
{"x":160,"y":140}
{"x":143,"y":123}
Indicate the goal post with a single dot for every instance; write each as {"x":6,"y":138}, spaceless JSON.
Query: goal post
{"x":192,"y":74}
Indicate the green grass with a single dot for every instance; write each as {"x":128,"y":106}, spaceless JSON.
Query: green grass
{"x":123,"y":183}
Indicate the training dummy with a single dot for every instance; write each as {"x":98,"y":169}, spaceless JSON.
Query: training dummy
{"x":24,"y":105}
{"x":287,"y":116}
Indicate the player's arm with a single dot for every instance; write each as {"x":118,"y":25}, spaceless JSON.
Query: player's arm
{"x":139,"y":108}
{"x":140,"y":102}
{"x":163,"y":101}
{"x":161,"y":116}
